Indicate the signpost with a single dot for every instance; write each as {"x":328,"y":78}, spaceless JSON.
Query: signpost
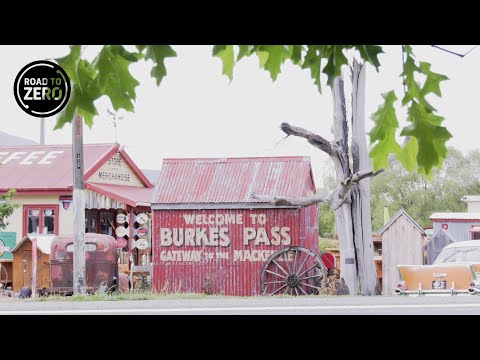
{"x":34,"y":267}
{"x":79,"y":283}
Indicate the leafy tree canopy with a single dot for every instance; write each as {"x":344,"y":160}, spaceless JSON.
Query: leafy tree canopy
{"x":7,"y":207}
{"x":108,"y":74}
{"x":420,"y":198}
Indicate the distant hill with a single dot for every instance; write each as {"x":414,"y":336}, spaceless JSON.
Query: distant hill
{"x":151,"y":175}
{"x":10,"y":140}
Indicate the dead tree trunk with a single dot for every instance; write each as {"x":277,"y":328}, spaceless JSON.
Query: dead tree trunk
{"x":361,"y":217}
{"x":351,"y":199}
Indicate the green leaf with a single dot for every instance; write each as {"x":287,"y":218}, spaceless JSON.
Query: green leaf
{"x":70,"y":62}
{"x":114,"y":78}
{"x":297,"y":54}
{"x":432,"y":84}
{"x":407,"y":49}
{"x":243,"y":51}
{"x":336,"y":59}
{"x":383,"y":132}
{"x":225,"y":53}
{"x":431,"y":137}
{"x":82,"y":97}
{"x":132,"y":57}
{"x":370,"y":53}
{"x":262,"y":58}
{"x":382,"y":149}
{"x":408,"y":155}
{"x":385,"y":118}
{"x":413,"y":88}
{"x":141,"y":47}
{"x":313,"y":62}
{"x":158,"y":54}
{"x":277,"y":54}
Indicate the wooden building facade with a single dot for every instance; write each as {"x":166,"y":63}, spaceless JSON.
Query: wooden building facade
{"x":402,"y":243}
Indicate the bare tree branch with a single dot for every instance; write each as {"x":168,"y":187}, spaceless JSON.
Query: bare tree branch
{"x":314,"y":139}
{"x":360,"y":175}
{"x":291,"y":201}
{"x":334,"y":201}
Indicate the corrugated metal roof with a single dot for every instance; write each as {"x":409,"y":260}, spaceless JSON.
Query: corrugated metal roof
{"x":232,"y":180}
{"x":130,"y":195}
{"x":44,"y":167}
{"x":455,"y":216}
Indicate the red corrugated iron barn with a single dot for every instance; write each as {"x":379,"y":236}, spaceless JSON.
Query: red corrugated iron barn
{"x":211,"y":236}
{"x":42,"y":176}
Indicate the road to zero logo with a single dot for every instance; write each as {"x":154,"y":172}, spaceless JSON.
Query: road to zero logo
{"x":42,"y":88}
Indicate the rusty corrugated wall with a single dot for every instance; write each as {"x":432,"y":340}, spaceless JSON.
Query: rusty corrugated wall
{"x":222,"y":251}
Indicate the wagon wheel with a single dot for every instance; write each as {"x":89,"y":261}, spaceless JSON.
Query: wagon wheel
{"x":293,"y":270}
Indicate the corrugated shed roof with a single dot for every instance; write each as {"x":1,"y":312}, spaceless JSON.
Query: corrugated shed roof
{"x":232,"y":180}
{"x":44,"y":167}
{"x":455,"y":216}
{"x":395,"y":217}
{"x":130,"y":195}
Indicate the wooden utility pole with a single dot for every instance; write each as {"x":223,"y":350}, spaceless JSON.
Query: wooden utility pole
{"x":34,"y":267}
{"x":79,"y":280}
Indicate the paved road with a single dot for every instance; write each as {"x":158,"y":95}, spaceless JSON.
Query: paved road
{"x":347,"y":305}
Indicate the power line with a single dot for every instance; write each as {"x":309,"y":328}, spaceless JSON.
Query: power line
{"x":455,"y":53}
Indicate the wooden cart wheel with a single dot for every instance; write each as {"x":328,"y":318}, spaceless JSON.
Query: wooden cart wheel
{"x":293,"y":270}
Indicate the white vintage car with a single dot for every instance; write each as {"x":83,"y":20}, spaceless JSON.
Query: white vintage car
{"x":455,"y":271}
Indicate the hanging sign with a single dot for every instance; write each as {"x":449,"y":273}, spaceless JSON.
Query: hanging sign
{"x":120,"y":231}
{"x":141,"y":244}
{"x":142,"y":218}
{"x":7,"y":243}
{"x":141,"y":232}
{"x":121,"y":218}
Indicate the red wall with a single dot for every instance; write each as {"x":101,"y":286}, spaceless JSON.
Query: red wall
{"x":195,"y":251}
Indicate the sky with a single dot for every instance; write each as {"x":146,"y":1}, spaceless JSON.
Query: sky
{"x":198,"y":112}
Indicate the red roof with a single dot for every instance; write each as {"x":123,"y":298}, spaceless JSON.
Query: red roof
{"x":133,"y":196}
{"x":49,"y":167}
{"x":232,"y":180}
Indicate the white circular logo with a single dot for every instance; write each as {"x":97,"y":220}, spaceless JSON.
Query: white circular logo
{"x":142,"y":218}
{"x":141,"y":244}
{"x":121,"y":218}
{"x":120,"y":231}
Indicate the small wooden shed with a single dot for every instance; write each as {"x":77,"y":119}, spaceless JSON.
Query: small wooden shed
{"x":436,"y":244}
{"x":402,"y":243}
{"x":22,"y":263}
